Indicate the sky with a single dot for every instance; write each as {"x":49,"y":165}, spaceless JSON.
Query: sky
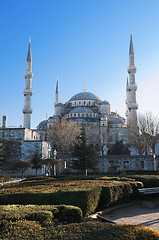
{"x":80,"y":41}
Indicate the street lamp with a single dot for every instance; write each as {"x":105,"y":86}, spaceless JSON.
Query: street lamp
{"x":154,"y":162}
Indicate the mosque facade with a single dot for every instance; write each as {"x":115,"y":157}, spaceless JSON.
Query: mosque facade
{"x":96,"y":114}
{"x":102,"y":124}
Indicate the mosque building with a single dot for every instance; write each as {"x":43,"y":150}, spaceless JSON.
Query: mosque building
{"x":87,"y":107}
{"x":82,"y":107}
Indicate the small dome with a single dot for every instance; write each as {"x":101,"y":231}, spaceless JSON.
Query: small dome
{"x":104,"y":103}
{"x":43,"y":123}
{"x":81,"y":110}
{"x":84,"y":96}
{"x":116,"y":121}
{"x":59,"y":105}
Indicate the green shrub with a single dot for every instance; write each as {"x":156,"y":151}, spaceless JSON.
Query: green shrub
{"x":87,"y":200}
{"x":4,"y":177}
{"x":40,"y":216}
{"x":41,"y":213}
{"x":116,"y":194}
{"x":147,"y":180}
{"x":69,"y":214}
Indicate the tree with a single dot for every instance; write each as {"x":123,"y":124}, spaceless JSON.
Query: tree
{"x":85,"y":155}
{"x":146,"y":132}
{"x":118,"y":149}
{"x":36,"y":160}
{"x":21,"y":165}
{"x":63,"y":136}
{"x":50,"y":163}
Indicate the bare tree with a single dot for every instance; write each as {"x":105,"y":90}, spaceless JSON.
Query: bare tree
{"x":145,"y":133}
{"x":63,"y":136}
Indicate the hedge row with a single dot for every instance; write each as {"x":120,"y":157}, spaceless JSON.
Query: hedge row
{"x":41,"y":214}
{"x":118,"y":194}
{"x":24,"y":229}
{"x":88,"y":200}
{"x":147,"y":180}
{"x":4,"y":177}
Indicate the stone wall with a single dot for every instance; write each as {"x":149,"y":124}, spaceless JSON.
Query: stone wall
{"x":119,"y":163}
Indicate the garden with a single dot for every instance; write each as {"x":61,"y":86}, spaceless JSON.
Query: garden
{"x":57,"y":208}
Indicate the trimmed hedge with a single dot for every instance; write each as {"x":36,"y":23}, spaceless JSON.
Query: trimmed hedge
{"x":4,"y":177}
{"x":86,"y":200}
{"x":82,"y":231}
{"x":147,"y":180}
{"x":112,"y":193}
{"x":41,"y":214}
{"x":117,"y":194}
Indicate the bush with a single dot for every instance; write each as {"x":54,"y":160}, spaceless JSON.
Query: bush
{"x":4,"y":177}
{"x":69,"y":214}
{"x":116,"y":194}
{"x":40,"y":216}
{"x":87,"y":200}
{"x":147,"y":180}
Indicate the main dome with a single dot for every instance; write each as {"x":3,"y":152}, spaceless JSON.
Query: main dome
{"x":84,"y":96}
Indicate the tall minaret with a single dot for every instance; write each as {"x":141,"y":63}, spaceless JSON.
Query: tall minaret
{"x":132,"y":105}
{"x":27,"y":110}
{"x":57,"y":92}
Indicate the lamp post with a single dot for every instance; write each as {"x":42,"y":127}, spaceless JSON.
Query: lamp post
{"x":154,"y":162}
{"x":55,"y":152}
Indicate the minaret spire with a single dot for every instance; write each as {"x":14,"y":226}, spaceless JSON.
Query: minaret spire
{"x":57,"y":92}
{"x":131,"y":90}
{"x":27,"y":110}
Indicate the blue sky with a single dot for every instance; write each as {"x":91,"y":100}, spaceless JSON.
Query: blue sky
{"x":80,"y":41}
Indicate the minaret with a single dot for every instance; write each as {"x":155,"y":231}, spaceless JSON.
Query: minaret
{"x":132,"y":105}
{"x":57,"y":92}
{"x":27,"y":110}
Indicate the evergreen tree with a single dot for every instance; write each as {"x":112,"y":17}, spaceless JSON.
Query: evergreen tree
{"x":118,"y":149}
{"x":36,"y":160}
{"x":85,"y":155}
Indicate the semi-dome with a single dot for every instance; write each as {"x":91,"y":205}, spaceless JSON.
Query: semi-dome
{"x":116,"y":121}
{"x":43,"y":124}
{"x":84,"y":96}
{"x":104,"y":103}
{"x":81,"y":110}
{"x":59,"y":105}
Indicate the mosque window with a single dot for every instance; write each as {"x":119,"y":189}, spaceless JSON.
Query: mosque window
{"x":84,"y":103}
{"x":74,"y":114}
{"x":75,"y":103}
{"x":78,"y":114}
{"x":79,"y":103}
{"x":71,"y":114}
{"x":89,"y":103}
{"x":86,"y":114}
{"x":90,"y":115}
{"x":82,"y":115}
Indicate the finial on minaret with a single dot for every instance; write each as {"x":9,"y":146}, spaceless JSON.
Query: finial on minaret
{"x":85,"y":90}
{"x":29,"y":57}
{"x":57,"y":92}
{"x":131,"y":49}
{"x":46,"y":116}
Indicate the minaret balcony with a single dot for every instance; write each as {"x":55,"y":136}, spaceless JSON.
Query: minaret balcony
{"x":27,"y":110}
{"x":28,"y":75}
{"x":132,"y":69}
{"x":132,"y":87}
{"x":132,"y":105}
{"x":28,"y":92}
